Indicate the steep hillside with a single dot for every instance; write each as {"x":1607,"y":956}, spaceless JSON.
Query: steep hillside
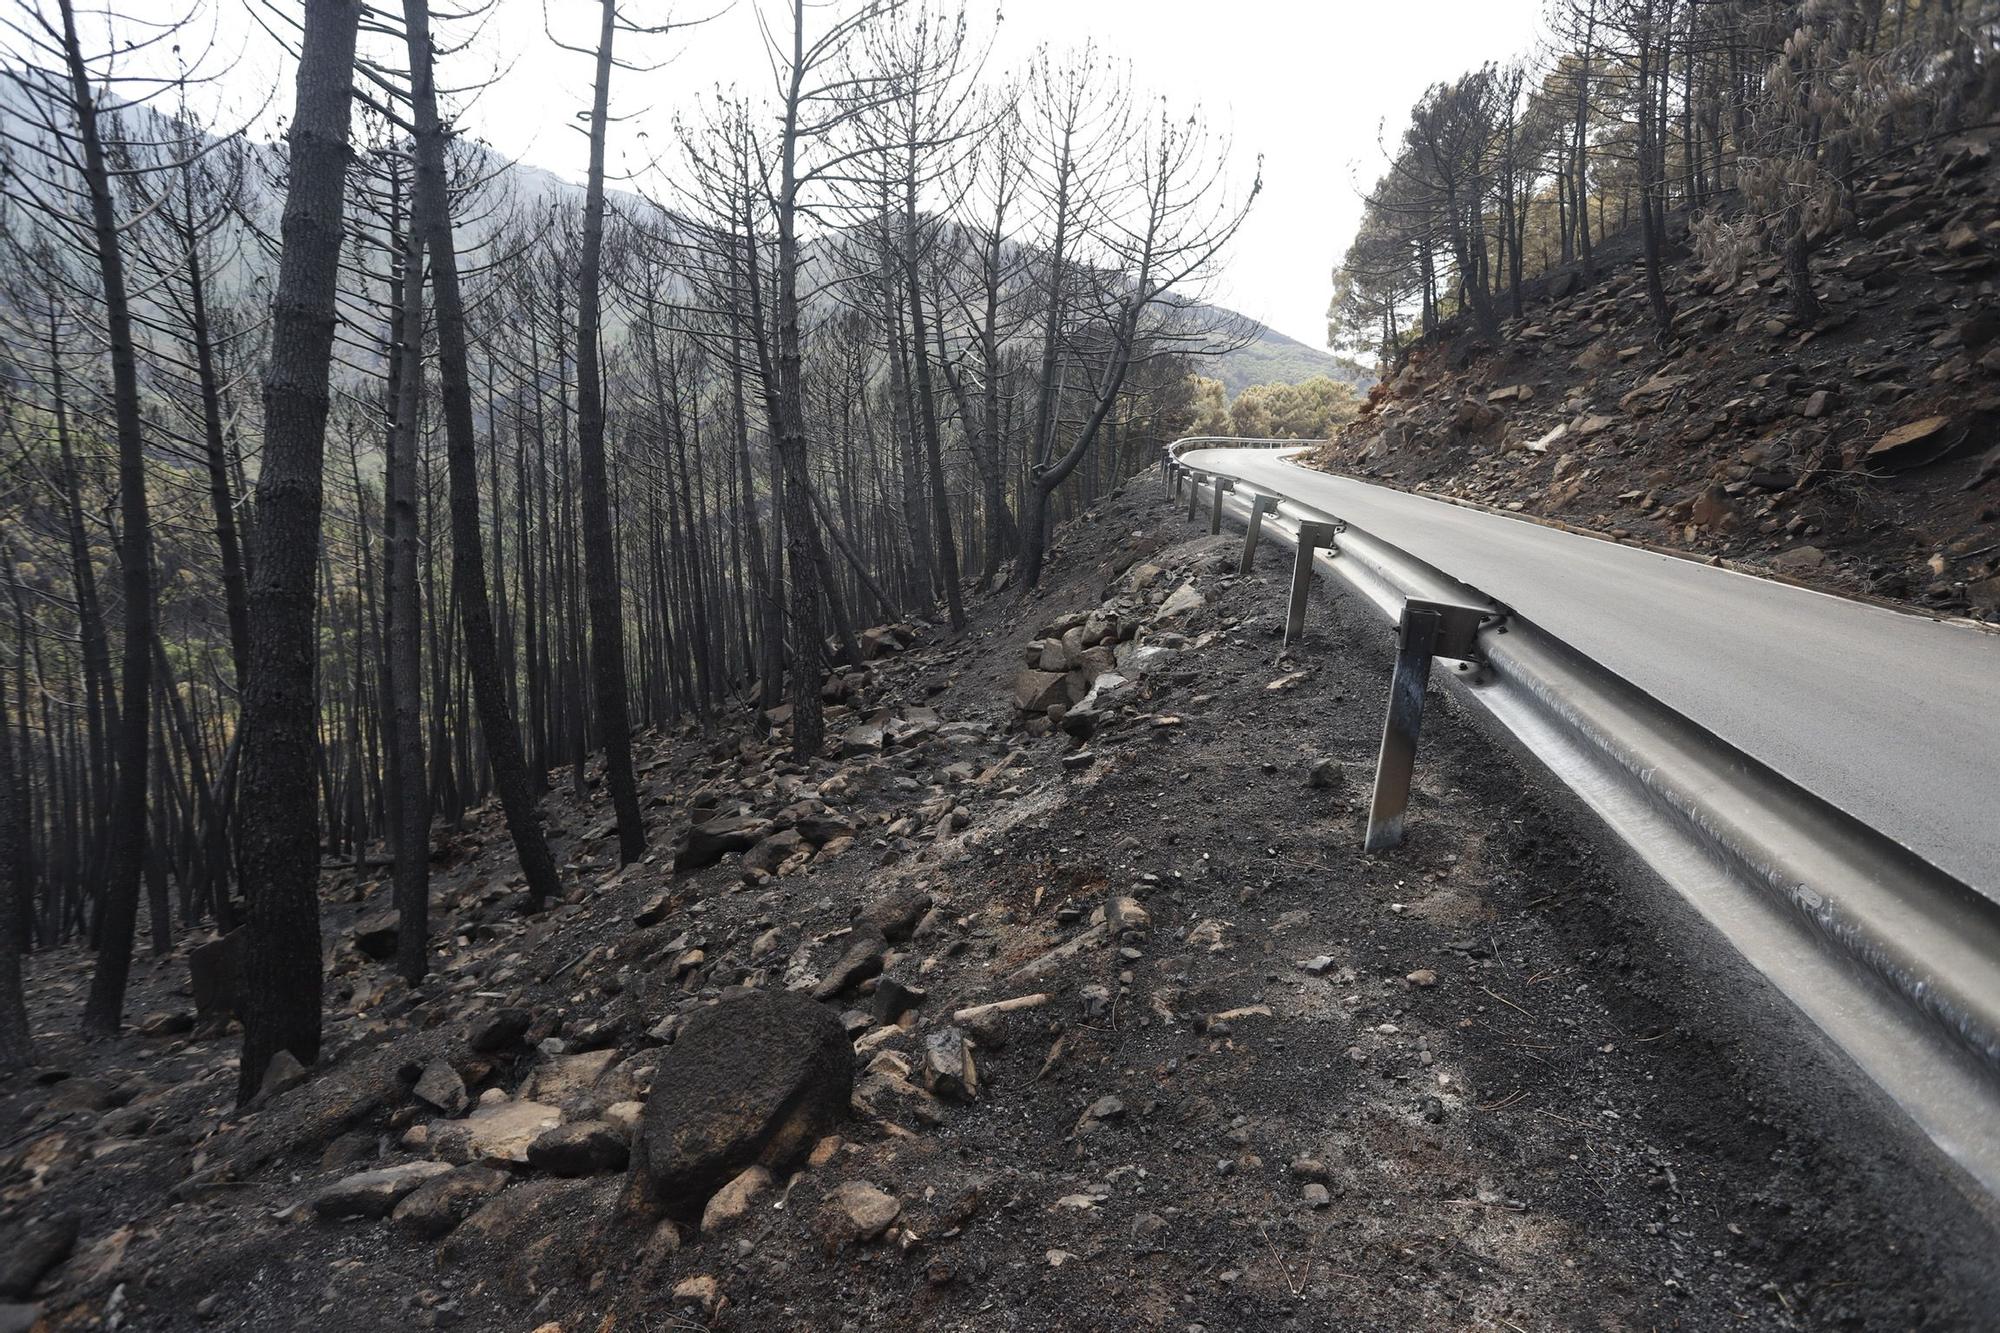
{"x":1090,"y":1017}
{"x":1272,"y":358}
{"x":1857,"y":454}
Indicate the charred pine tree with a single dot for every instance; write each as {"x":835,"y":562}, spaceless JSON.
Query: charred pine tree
{"x":127,"y":828}
{"x":605,"y":594}
{"x":16,"y":1045}
{"x":280,"y":831}
{"x":432,"y":220}
{"x":412,"y":813}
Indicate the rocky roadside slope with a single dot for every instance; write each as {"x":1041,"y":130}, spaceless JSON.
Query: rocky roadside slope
{"x":1859,"y":454}
{"x":1059,"y":996}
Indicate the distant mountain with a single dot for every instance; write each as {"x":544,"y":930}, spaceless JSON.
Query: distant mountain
{"x":1272,"y":358}
{"x":514,"y":190}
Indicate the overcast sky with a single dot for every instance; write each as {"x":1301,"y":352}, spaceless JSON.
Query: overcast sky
{"x":1308,"y":84}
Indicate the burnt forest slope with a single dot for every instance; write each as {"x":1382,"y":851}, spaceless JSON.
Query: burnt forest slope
{"x":1858,"y":455}
{"x":1137,"y":1039}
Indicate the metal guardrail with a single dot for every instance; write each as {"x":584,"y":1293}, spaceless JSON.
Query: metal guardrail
{"x":1895,"y":959}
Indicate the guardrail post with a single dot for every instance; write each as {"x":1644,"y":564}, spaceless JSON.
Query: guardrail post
{"x":1259,"y":506}
{"x":1220,"y":484}
{"x":1194,"y":494}
{"x":1312,"y":537}
{"x":1427,"y":629}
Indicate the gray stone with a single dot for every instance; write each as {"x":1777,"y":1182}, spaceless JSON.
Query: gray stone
{"x":774,"y":851}
{"x":501,"y":1030}
{"x":857,"y":1211}
{"x":376,"y":935}
{"x":862,"y":960}
{"x":441,"y":1086}
{"x":374,"y":1193}
{"x":498,"y":1133}
{"x":281,"y":1075}
{"x":705,"y":844}
{"x":1799,"y":560}
{"x":860,"y":742}
{"x":897,"y":913}
{"x":1035,"y":691}
{"x":732,"y":1203}
{"x":433,"y":1208}
{"x":949,"y":1069}
{"x":1183,"y":601}
{"x":561,"y":1080}
{"x":584,"y":1148}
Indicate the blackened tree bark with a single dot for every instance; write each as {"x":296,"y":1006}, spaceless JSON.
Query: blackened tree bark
{"x":468,"y":555}
{"x":16,"y":1047}
{"x":215,"y":454}
{"x":405,"y":647}
{"x":104,"y":1010}
{"x":927,"y":419}
{"x":801,"y":531}
{"x":600,"y":552}
{"x":280,"y":834}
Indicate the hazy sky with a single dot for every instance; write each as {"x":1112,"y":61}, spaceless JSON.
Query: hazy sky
{"x":1308,"y":85}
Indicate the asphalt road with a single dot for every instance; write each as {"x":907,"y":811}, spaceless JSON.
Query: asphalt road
{"x":1893,"y":718}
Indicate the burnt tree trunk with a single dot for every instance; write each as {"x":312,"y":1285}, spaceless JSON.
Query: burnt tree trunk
{"x":126,"y":850}
{"x":468,"y":555}
{"x":600,"y":553}
{"x":405,"y":629}
{"x":280,"y":834}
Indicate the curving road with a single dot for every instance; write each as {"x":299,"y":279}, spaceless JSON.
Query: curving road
{"x":1893,"y":718}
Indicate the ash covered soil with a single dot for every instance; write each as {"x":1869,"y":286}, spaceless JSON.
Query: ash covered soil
{"x":1497,"y":1079}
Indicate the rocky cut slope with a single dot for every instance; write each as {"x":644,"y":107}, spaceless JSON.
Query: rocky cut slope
{"x":1856,"y":454}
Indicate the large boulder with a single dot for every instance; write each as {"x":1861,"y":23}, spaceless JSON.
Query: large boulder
{"x":1034,"y":691}
{"x":753,"y":1081}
